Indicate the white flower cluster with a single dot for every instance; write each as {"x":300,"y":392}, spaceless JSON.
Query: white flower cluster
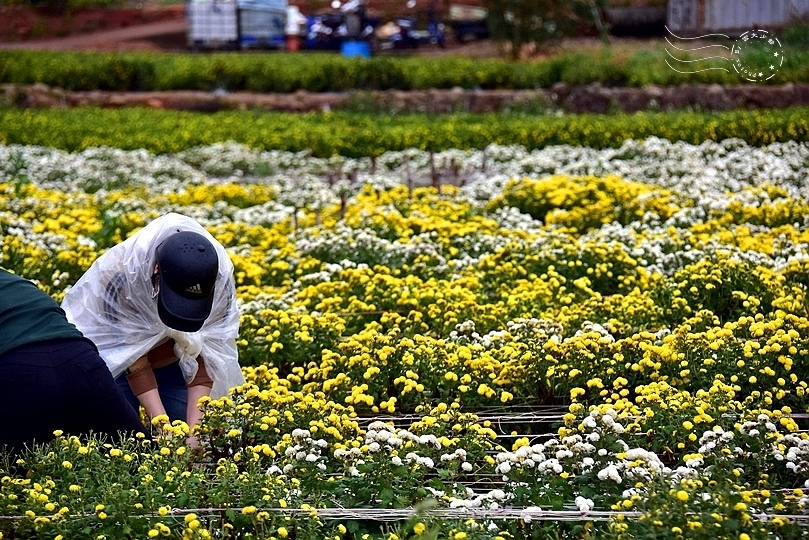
{"x":385,"y":439}
{"x":265,"y":214}
{"x":96,"y":169}
{"x":793,"y":450}
{"x":710,"y":170}
{"x":468,"y":498}
{"x":529,"y":328}
{"x":523,"y":329}
{"x":588,"y":327}
{"x":303,"y":191}
{"x":713,"y":441}
{"x":584,"y":504}
{"x":596,"y":451}
{"x":365,"y":245}
{"x":464,"y":331}
{"x":719,"y":445}
{"x":305,"y":449}
{"x":706,"y":179}
{"x":511,"y":218}
{"x":379,"y":432}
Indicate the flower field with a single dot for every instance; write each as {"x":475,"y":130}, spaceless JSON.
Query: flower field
{"x":488,"y":344}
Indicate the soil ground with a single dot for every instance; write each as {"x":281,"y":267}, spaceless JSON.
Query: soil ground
{"x":39,"y":28}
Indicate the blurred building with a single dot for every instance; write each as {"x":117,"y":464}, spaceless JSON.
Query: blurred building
{"x":696,"y":17}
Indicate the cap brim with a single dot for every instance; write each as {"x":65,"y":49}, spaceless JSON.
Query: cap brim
{"x":182,"y":313}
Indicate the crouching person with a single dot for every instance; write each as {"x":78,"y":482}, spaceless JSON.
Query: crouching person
{"x":161,"y":307}
{"x":51,"y":376}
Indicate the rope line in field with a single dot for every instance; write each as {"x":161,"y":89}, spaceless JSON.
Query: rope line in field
{"x":527,"y":514}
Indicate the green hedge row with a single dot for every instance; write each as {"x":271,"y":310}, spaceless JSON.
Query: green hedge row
{"x":321,"y":72}
{"x":356,"y":135}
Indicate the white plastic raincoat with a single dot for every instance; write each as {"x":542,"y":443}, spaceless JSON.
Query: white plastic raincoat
{"x":113,"y":304}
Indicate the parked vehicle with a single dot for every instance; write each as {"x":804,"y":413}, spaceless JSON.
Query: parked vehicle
{"x":404,"y":32}
{"x":232,"y":24}
{"x":398,"y":34}
{"x":212,"y":25}
{"x":262,"y":23}
{"x":349,"y":22}
{"x":468,"y":22}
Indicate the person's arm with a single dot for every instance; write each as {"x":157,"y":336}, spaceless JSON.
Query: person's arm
{"x":151,"y":401}
{"x":194,"y":413}
{"x":199,"y":387}
{"x":142,"y":381}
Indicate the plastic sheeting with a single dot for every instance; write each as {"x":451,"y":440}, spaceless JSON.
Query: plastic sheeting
{"x":114,"y":305}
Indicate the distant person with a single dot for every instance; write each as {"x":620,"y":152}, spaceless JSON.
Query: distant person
{"x":294,"y":28}
{"x":51,"y":376}
{"x":161,"y":307}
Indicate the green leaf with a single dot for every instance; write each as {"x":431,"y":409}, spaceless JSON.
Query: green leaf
{"x":386,"y":495}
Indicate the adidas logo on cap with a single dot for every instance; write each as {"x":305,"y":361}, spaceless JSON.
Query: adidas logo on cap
{"x":194,"y":289}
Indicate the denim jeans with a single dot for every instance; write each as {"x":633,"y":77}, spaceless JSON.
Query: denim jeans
{"x":171,"y":387}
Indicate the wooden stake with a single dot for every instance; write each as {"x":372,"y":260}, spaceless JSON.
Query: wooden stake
{"x":436,"y":179}
{"x":409,"y":177}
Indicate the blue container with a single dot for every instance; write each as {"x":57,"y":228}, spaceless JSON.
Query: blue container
{"x":360,"y":49}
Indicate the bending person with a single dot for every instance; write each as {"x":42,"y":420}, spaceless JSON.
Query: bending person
{"x":161,"y":307}
{"x":51,"y":376}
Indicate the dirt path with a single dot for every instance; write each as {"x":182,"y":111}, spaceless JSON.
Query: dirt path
{"x":161,"y":35}
{"x":572,"y":99}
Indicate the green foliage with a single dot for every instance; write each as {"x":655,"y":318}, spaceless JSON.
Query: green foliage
{"x":797,"y":33}
{"x":536,"y":22}
{"x":323,"y":72}
{"x":355,"y":135}
{"x":79,"y":71}
{"x":580,"y":68}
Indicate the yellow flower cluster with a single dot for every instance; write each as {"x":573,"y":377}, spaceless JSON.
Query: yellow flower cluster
{"x":441,"y":308}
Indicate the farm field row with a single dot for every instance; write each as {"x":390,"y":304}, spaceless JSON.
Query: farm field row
{"x":329,"y":72}
{"x":496,"y":343}
{"x":357,"y":135}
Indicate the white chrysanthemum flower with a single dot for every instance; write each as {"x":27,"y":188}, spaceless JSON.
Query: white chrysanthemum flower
{"x":529,"y":512}
{"x":610,"y":472}
{"x":584,"y":504}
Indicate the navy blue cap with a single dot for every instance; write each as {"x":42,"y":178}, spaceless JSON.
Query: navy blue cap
{"x":187,"y":267}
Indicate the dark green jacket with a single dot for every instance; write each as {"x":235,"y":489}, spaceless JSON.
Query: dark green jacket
{"x":29,"y":315}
